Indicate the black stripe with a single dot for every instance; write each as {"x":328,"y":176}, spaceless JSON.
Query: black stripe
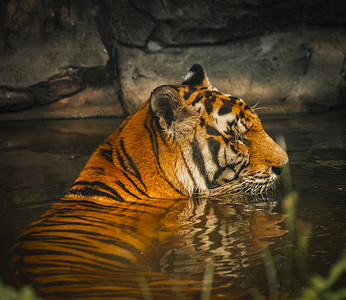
{"x":208,"y":106}
{"x":212,"y":130}
{"x":129,"y":159}
{"x":99,"y":293}
{"x":126,"y":169}
{"x":121,"y":185}
{"x":226,"y":108}
{"x":101,"y":185}
{"x":124,"y":123}
{"x":232,"y":167}
{"x":89,"y":192}
{"x":197,"y":99}
{"x":108,"y":256}
{"x":52,"y":224}
{"x":162,"y":173}
{"x":84,"y":203}
{"x":219,"y":172}
{"x":75,"y":263}
{"x":59,"y":241}
{"x":188,"y":93}
{"x":48,"y":252}
{"x":95,"y":221}
{"x":244,"y":125}
{"x":155,"y":146}
{"x":230,"y":124}
{"x":79,"y":232}
{"x":98,"y":170}
{"x":153,"y":140}
{"x":226,"y":140}
{"x":210,"y":96}
{"x":214,"y":147}
{"x":122,"y":163}
{"x":88,"y":206}
{"x":243,"y":166}
{"x":106,"y":153}
{"x":232,"y":148}
{"x":199,"y":161}
{"x":135,"y":185}
{"x":149,"y":126}
{"x":188,"y":169}
{"x":233,"y":99}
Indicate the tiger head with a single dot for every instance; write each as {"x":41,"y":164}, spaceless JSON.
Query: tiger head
{"x":214,"y":142}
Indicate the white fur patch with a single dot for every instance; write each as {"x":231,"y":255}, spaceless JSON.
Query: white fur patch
{"x":188,"y":76}
{"x":220,"y":122}
{"x":209,"y":163}
{"x":199,"y":180}
{"x":227,"y":175}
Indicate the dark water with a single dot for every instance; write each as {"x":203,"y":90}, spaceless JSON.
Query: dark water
{"x":239,"y":243}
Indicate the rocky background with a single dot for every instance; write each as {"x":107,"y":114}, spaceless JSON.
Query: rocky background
{"x":75,"y":58}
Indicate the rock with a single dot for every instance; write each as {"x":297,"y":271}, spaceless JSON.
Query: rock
{"x":64,"y":83}
{"x":285,"y":71}
{"x":90,"y":102}
{"x":14,"y":100}
{"x":128,"y":25}
{"x":51,"y":51}
{"x":208,"y":21}
{"x":43,"y":40}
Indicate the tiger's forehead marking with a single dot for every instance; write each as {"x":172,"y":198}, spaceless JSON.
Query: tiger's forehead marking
{"x":213,"y":101}
{"x":227,"y":113}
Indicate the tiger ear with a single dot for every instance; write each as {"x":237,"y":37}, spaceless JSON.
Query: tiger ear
{"x":196,"y":76}
{"x":175,"y":117}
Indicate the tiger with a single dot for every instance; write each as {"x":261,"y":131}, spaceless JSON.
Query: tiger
{"x":187,"y":142}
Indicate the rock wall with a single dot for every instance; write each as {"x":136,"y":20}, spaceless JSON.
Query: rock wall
{"x":53,"y":63}
{"x":66,"y":59}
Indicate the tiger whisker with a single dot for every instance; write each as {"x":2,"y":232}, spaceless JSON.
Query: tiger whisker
{"x":240,"y":187}
{"x":255,"y":105}
{"x":259,"y":108}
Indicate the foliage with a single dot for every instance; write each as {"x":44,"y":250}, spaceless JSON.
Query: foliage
{"x":24,"y":293}
{"x":321,"y":288}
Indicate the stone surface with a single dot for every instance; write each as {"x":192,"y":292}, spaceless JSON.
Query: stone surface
{"x":90,"y":102}
{"x":289,"y":55}
{"x":129,"y":25}
{"x":289,"y":71}
{"x":180,"y":22}
{"x":43,"y":39}
{"x":15,"y":100}
{"x":52,"y":51}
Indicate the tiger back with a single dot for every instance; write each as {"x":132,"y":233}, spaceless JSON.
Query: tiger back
{"x":186,"y":141}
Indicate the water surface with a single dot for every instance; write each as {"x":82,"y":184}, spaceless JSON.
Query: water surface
{"x":232,"y":237}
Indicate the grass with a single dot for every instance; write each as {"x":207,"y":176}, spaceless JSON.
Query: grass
{"x":315,"y":287}
{"x":208,"y":279}
{"x":24,"y":293}
{"x":321,"y":287}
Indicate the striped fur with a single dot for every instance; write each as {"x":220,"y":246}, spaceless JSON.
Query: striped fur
{"x":186,"y":140}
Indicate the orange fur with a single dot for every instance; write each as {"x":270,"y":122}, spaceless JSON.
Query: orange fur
{"x":186,"y":140}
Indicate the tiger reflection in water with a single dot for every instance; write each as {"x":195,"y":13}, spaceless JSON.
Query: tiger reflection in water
{"x":231,"y":234}
{"x":134,"y":212}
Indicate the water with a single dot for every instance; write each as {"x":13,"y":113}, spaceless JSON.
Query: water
{"x":235,"y":239}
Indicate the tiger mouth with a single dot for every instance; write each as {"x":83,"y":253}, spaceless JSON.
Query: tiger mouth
{"x":245,"y":186}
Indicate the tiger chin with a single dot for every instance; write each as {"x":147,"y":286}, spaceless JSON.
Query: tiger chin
{"x":187,"y":139}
